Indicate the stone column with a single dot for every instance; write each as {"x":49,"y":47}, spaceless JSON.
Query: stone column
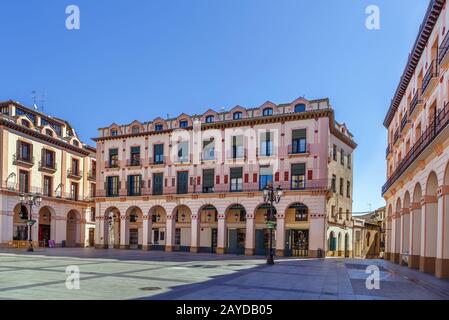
{"x":405,"y":229}
{"x":397,"y":236}
{"x":147,"y":228}
{"x":170,"y":233}
{"x":442,"y":261}
{"x":414,"y":235}
{"x":35,"y":227}
{"x":427,"y":258}
{"x":195,"y":229}
{"x":250,"y":235}
{"x":221,"y":233}
{"x":387,"y":239}
{"x":100,"y":233}
{"x":280,"y":235}
{"x":124,"y":232}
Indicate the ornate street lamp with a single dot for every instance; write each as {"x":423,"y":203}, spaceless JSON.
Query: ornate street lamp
{"x":30,"y":199}
{"x":271,"y":196}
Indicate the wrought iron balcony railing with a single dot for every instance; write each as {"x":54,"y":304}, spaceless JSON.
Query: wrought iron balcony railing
{"x":431,"y":73}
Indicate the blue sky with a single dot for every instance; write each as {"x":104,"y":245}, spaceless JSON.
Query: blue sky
{"x":139,"y":59}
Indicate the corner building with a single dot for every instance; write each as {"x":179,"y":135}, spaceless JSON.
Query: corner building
{"x":41,"y":154}
{"x":417,"y":186}
{"x":193,"y":183}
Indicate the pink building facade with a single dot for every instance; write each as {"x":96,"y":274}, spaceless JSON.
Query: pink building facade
{"x":417,"y":187}
{"x":194,"y":183}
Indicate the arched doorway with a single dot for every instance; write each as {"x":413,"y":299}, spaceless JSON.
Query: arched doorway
{"x":159,"y":218}
{"x":112,"y":228}
{"x":45,"y":226}
{"x":183,"y":229}
{"x":20,"y":228}
{"x":236,"y":229}
{"x":262,"y":234}
{"x":134,"y":217}
{"x":73,"y":234}
{"x":208,"y":235}
{"x":297,"y":230}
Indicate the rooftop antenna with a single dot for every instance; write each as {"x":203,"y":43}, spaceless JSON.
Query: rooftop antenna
{"x":42,"y":101}
{"x":34,"y":97}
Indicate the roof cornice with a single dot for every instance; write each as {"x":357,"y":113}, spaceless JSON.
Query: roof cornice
{"x":430,"y":19}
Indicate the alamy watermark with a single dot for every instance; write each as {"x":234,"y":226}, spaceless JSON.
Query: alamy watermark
{"x":73,"y":20}
{"x":72,"y":281}
{"x":373,"y":280}
{"x":372,"y":21}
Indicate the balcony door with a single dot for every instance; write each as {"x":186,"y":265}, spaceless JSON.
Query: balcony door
{"x":183,"y":182}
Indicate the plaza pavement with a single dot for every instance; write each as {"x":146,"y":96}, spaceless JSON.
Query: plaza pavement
{"x":133,"y":274}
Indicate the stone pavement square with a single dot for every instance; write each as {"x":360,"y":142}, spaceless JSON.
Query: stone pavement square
{"x":134,"y":274}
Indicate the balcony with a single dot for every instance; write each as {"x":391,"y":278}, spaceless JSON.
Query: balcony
{"x":430,"y":79}
{"x":208,"y":155}
{"x":112,"y":164}
{"x":134,"y":163}
{"x":74,"y":174}
{"x":92,"y":175}
{"x":405,"y":124}
{"x":443,"y":57}
{"x":427,"y":137}
{"x":20,"y":160}
{"x":47,"y":167}
{"x":298,"y":150}
{"x":159,"y":160}
{"x":388,"y":152}
{"x":397,"y":136}
{"x":416,"y":102}
{"x":237,"y":155}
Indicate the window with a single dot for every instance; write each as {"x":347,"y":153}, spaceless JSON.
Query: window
{"x":334,"y":152}
{"x":4,"y":110}
{"x":342,"y":157}
{"x":183,"y":124}
{"x":298,"y":176}
{"x":135,"y":129}
{"x":299,"y":141}
{"x":75,"y":167}
{"x":24,"y":151}
{"x":92,"y":214}
{"x":24,"y":181}
{"x":301,"y":213}
{"x":237,"y":115}
{"x":334,"y":183}
{"x":209,"y":150}
{"x":267,"y":112}
{"x":347,"y":214}
{"x":48,"y":159}
{"x":340,"y":213}
{"x":76,"y":143}
{"x":348,"y":189}
{"x":236,"y":179}
{"x":349,"y":160}
{"x":341,"y":186}
{"x":112,"y":186}
{"x":237,"y":147}
{"x":26,"y":123}
{"x":266,"y":144}
{"x":114,"y":133}
{"x":177,"y":237}
{"x":158,"y":186}
{"x":183,"y":151}
{"x":74,"y":191}
{"x":135,"y":156}
{"x":48,"y":132}
{"x":265,"y":176}
{"x":158,"y":127}
{"x":134,"y":185}
{"x":208,"y":180}
{"x":48,"y":181}
{"x":182,"y":182}
{"x":332,"y":211}
{"x":209,"y":119}
{"x":113,"y":158}
{"x":158,"y":154}
{"x":300,"y":107}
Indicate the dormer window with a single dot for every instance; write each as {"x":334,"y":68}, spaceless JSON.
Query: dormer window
{"x":26,"y":123}
{"x":237,"y":115}
{"x":114,"y":133}
{"x":135,"y":129}
{"x":76,"y":143}
{"x":209,"y":119}
{"x":48,"y":132}
{"x":300,"y":107}
{"x":158,"y":127}
{"x":183,"y":124}
{"x":267,"y":112}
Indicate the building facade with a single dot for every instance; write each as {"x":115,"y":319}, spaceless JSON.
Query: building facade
{"x":417,"y":187}
{"x":368,"y":231}
{"x":43,"y":155}
{"x":194,"y":183}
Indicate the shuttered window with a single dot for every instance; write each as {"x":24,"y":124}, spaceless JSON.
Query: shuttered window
{"x":236,"y":179}
{"x":298,"y":175}
{"x":208,"y":180}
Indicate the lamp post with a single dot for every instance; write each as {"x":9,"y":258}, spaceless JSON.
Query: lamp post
{"x":271,"y":196}
{"x":30,"y":199}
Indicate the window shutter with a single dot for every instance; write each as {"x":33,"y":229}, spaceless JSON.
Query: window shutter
{"x":246,"y":177}
{"x":142,"y":182}
{"x":173,"y":182}
{"x":255,"y":177}
{"x":226,"y":179}
{"x":217,"y":179}
{"x":18,"y":155}
{"x":198,"y":181}
{"x":286,"y":174}
{"x":276,"y":177}
{"x":149,"y":183}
